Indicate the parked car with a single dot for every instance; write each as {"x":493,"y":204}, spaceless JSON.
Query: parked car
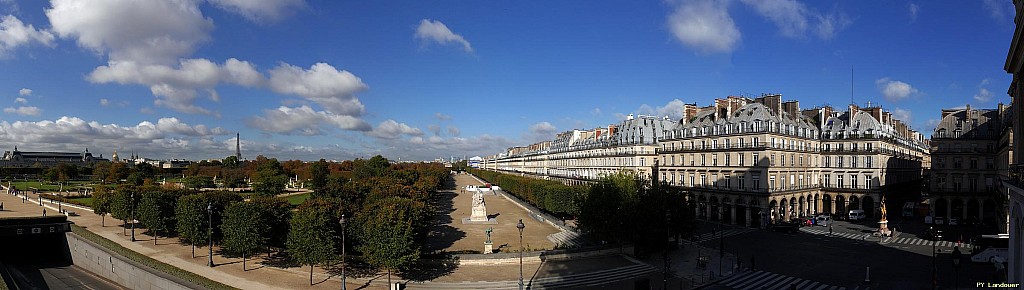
{"x":786,"y":227}
{"x":940,"y":220}
{"x":857,"y":214}
{"x":954,"y":221}
{"x":991,"y":254}
{"x":934,"y":234}
{"x":823,"y":220}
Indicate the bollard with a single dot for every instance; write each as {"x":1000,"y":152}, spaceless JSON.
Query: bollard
{"x":867,"y":276}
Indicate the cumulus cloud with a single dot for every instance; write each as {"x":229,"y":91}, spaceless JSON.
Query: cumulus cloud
{"x":894,"y":90}
{"x":304,"y":120}
{"x":104,"y":102}
{"x":454,"y":131}
{"x":427,"y":148}
{"x":436,"y":129}
{"x":442,"y":117}
{"x":543,"y":128}
{"x":332,"y":89}
{"x":14,"y":33}
{"x":25,"y":92}
{"x":704,"y":25}
{"x":437,"y":32}
{"x":390,"y":129}
{"x":173,"y":125}
{"x":673,"y":109}
{"x":983,"y":95}
{"x":20,"y":101}
{"x":903,"y":115}
{"x":795,"y":20}
{"x":263,"y":10}
{"x":24,"y":110}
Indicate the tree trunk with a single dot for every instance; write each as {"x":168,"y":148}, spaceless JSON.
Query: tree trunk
{"x":243,"y":263}
{"x":310,"y":274}
{"x":103,"y":220}
{"x":124,"y":227}
{"x":155,"y":234}
{"x":193,"y":251}
{"x":389,"y":278}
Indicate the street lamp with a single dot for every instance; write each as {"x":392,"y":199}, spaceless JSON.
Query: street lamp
{"x":956,"y":267}
{"x":520,"y":226}
{"x":934,"y":268}
{"x":132,"y":201}
{"x":209,"y":232}
{"x":342,"y":222}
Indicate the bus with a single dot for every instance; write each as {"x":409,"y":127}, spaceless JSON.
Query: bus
{"x":982,"y":242}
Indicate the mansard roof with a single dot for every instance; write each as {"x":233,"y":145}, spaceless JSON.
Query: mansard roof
{"x":974,"y":123}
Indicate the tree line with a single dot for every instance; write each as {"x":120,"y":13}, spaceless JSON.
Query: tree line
{"x":385,"y":205}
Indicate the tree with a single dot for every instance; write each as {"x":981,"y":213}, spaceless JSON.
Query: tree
{"x":157,"y":211}
{"x":387,"y":234}
{"x":319,"y":173}
{"x":245,"y":229}
{"x":280,"y":214}
{"x":122,"y":203}
{"x":311,"y":237}
{"x":192,"y":221}
{"x":269,"y":178}
{"x":231,"y":161}
{"x":197,"y":182}
{"x":102,"y":203}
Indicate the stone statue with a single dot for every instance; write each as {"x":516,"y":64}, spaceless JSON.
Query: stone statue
{"x":479,"y":208}
{"x":882,"y":207}
{"x":489,"y":230}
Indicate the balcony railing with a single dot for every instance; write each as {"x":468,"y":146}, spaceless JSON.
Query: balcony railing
{"x":1016,"y":176}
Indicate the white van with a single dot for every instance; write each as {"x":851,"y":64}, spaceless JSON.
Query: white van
{"x":823,"y":220}
{"x":857,"y":214}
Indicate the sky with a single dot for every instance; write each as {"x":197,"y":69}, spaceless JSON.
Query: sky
{"x":419,"y":80}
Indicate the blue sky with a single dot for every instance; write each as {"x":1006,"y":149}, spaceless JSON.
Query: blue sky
{"x":418,"y":80}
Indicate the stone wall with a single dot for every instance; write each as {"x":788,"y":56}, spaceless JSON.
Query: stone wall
{"x":120,"y":270}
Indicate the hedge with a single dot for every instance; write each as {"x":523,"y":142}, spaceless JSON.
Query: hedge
{"x":548,"y":195}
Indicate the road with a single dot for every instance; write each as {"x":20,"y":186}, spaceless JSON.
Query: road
{"x":842,"y":261}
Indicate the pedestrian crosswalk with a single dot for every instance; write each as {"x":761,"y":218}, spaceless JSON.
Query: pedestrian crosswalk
{"x":724,"y":233}
{"x":923,"y":242}
{"x":855,"y":236}
{"x":767,"y":280}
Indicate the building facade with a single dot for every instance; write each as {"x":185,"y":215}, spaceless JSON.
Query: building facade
{"x":968,"y":160}
{"x":19,"y":158}
{"x":754,"y":161}
{"x":1014,"y":180}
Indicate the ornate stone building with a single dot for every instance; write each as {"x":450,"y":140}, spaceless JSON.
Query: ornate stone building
{"x":18,"y":158}
{"x":1014,"y":180}
{"x":752,"y":161}
{"x":967,"y":163}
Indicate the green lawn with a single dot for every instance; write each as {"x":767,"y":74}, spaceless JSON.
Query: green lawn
{"x":298,"y":198}
{"x":87,"y":201}
{"x":45,"y":186}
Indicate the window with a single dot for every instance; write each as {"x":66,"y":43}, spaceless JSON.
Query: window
{"x":828,"y":161}
{"x":974,"y":163}
{"x":739,"y":180}
{"x":940,"y":162}
{"x":773,"y":160}
{"x":853,"y":181}
{"x":958,"y":162}
{"x":989,"y":163}
{"x":691,"y":181}
{"x":714,"y":144}
{"x":868,"y":147}
{"x":703,"y":180}
{"x":853,"y":161}
{"x":702,"y":163}
{"x":726,"y":159}
{"x":840,"y":158}
{"x":756,"y":180}
{"x":867,"y":161}
{"x":728,"y":182}
{"x":801,"y":160}
{"x":754,"y":159}
{"x":691,"y":159}
{"x":714,"y":180}
{"x":771,"y":182}
{"x":740,"y":141}
{"x":974,"y":183}
{"x":828,"y":180}
{"x":740,"y":155}
{"x":839,"y":180}
{"x":867,"y":181}
{"x":714,"y":159}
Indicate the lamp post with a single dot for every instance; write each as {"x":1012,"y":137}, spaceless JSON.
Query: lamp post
{"x":132,"y":201}
{"x":520,"y":226}
{"x":209,"y":232}
{"x":956,"y":267}
{"x":934,"y":268}
{"x":342,"y":222}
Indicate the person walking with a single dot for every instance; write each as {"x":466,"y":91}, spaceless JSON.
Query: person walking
{"x":829,"y":230}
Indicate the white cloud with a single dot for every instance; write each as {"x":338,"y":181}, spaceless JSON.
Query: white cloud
{"x":14,"y":33}
{"x":894,"y":90}
{"x":178,"y":87}
{"x":261,"y":10}
{"x":999,"y":9}
{"x":903,"y":115}
{"x":913,"y":9}
{"x":428,"y":148}
{"x":322,"y":83}
{"x":673,"y":109}
{"x":983,"y":95}
{"x":442,"y":117}
{"x":104,"y":102}
{"x":144,"y":32}
{"x":173,"y":125}
{"x":24,"y":111}
{"x":303,"y":121}
{"x":795,"y":20}
{"x":543,"y":128}
{"x":704,"y":25}
{"x":596,"y":112}
{"x":435,"y":31}
{"x":25,"y":92}
{"x":436,"y":129}
{"x":20,"y":101}
{"x":454,"y":131}
{"x":390,"y":129}
{"x":930,"y":125}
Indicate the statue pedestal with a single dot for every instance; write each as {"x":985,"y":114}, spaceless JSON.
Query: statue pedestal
{"x":479,"y":214}
{"x":488,"y":249}
{"x":883,"y":228}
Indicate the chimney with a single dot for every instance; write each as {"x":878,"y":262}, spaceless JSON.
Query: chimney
{"x":791,"y":108}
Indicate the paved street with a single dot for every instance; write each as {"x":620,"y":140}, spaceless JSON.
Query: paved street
{"x":811,"y":260}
